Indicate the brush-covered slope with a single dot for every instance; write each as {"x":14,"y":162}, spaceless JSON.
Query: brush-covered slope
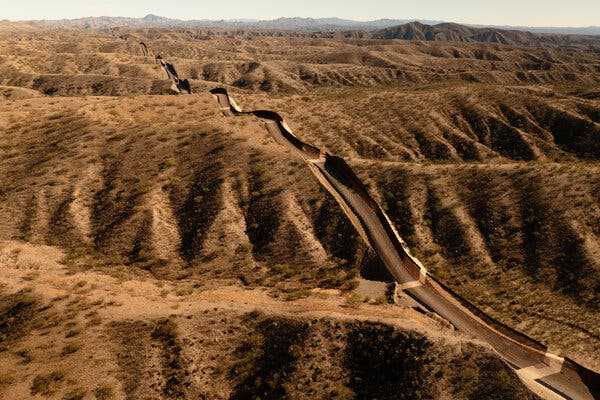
{"x":449,"y":123}
{"x":168,"y":187}
{"x":142,"y":231}
{"x":171,"y":186}
{"x":84,"y":335}
{"x":503,"y":203}
{"x":80,"y":63}
{"x":451,"y":32}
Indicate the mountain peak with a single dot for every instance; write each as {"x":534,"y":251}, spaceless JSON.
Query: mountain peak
{"x":152,"y":17}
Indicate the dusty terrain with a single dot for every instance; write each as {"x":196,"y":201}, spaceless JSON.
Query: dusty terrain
{"x":152,"y":248}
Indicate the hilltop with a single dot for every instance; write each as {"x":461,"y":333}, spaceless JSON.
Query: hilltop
{"x":448,"y":32}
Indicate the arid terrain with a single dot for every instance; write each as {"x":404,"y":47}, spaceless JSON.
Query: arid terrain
{"x":151,"y":247}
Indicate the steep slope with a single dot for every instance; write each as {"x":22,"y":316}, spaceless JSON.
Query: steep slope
{"x":450,"y":32}
{"x":86,"y":335}
{"x":222,"y":204}
{"x":80,"y":63}
{"x":485,"y":157}
{"x":87,"y":183}
{"x":447,"y":123}
{"x":533,"y":362}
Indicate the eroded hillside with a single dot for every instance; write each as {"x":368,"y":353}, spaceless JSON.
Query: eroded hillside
{"x":76,"y":62}
{"x":86,"y":335}
{"x":184,"y":239}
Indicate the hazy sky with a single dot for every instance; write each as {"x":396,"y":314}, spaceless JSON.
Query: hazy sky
{"x":503,"y":12}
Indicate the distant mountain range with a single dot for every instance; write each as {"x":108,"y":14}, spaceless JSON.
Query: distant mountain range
{"x":296,"y":23}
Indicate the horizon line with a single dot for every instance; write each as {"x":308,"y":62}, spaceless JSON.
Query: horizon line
{"x":353,"y":19}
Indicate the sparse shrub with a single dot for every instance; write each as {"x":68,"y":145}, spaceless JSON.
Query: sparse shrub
{"x":286,"y":270}
{"x":103,"y":393}
{"x":353,"y":301}
{"x":71,"y":333}
{"x":25,"y":355}
{"x":80,"y":284}
{"x":5,"y":380}
{"x":16,"y":312}
{"x":184,"y":290}
{"x":69,"y":349}
{"x":75,"y":394}
{"x":46,"y":384}
{"x":297,"y":294}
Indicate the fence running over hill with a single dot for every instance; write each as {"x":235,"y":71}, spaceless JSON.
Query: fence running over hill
{"x":545,"y":372}
{"x":541,"y":370}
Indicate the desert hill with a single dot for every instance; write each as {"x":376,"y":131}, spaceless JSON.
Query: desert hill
{"x":62,"y":63}
{"x":147,"y":238}
{"x":450,"y":32}
{"x":100,"y":337}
